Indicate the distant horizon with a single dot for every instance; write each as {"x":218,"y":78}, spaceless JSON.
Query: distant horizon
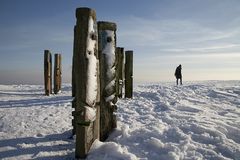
{"x":134,"y":82}
{"x":203,"y":36}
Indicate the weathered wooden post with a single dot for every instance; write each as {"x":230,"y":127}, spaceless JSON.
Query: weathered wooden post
{"x":120,"y":53}
{"x":73,"y":75}
{"x":129,"y":74}
{"x":86,"y":78}
{"x":74,"y":84}
{"x":107,"y":47}
{"x":47,"y":72}
{"x":57,"y":73}
{"x":116,"y":72}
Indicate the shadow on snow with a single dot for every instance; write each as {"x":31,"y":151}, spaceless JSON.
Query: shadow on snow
{"x":36,"y":150}
{"x":52,"y":100}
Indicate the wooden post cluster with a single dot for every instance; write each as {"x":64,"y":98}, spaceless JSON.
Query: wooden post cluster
{"x":97,"y":79}
{"x":86,"y":79}
{"x":47,"y":72}
{"x":124,"y":72}
{"x":129,"y":74}
{"x":107,"y":47}
{"x":57,"y":73}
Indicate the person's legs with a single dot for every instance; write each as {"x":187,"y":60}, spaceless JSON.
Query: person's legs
{"x":177,"y":81}
{"x":181,"y":81}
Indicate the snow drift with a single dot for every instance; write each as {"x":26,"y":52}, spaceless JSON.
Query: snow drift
{"x":199,"y":120}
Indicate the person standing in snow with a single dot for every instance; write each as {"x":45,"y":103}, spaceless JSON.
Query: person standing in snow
{"x":178,"y":73}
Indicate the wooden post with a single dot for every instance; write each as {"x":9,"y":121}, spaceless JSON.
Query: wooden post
{"x":57,"y":73}
{"x":107,"y":48}
{"x":74,"y":84}
{"x":129,"y":74}
{"x":86,"y":78}
{"x":73,"y":78}
{"x":120,"y":53}
{"x":117,"y":71}
{"x":47,"y":72}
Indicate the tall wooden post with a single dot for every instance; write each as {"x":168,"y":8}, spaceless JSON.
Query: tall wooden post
{"x":47,"y":72}
{"x":57,"y":73}
{"x":86,"y":78}
{"x":120,"y":53}
{"x":107,"y":47}
{"x":74,"y":84}
{"x":129,"y":74}
{"x":73,"y":75}
{"x":117,"y":71}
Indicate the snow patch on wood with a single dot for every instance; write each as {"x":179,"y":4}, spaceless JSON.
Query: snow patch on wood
{"x":91,"y":89}
{"x":109,"y":51}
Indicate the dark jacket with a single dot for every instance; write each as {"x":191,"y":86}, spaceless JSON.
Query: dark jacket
{"x":178,"y":72}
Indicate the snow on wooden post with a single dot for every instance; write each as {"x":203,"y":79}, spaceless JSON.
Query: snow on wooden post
{"x":47,"y":72}
{"x":57,"y":73}
{"x":107,"y":47}
{"x":86,"y":78}
{"x":73,"y":114}
{"x":120,"y":53}
{"x":129,"y":74}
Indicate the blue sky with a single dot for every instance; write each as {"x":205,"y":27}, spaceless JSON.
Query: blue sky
{"x":202,"y":35}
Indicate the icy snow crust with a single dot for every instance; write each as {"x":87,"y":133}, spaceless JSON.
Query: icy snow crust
{"x":191,"y":122}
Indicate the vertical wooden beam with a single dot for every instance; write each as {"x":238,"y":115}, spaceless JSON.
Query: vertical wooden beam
{"x":73,"y":78}
{"x":86,"y":79}
{"x":107,"y":49}
{"x":73,"y":83}
{"x":51,"y":74}
{"x":57,"y":73}
{"x":47,"y":72}
{"x":120,"y":52}
{"x":129,"y":74}
{"x":117,"y":70}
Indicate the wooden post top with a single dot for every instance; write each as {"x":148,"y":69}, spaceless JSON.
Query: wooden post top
{"x":85,"y":12}
{"x":104,"y":25}
{"x":47,"y":51}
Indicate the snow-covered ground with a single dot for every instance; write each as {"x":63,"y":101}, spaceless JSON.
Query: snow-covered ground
{"x":199,"y":120}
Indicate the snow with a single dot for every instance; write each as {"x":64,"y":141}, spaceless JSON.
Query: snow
{"x":33,"y":125}
{"x":199,"y":120}
{"x":92,"y":67}
{"x":90,"y":113}
{"x":109,"y":51}
{"x":109,"y":48}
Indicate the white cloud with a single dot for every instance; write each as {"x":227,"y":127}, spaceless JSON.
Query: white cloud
{"x":171,"y":33}
{"x":163,"y":44}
